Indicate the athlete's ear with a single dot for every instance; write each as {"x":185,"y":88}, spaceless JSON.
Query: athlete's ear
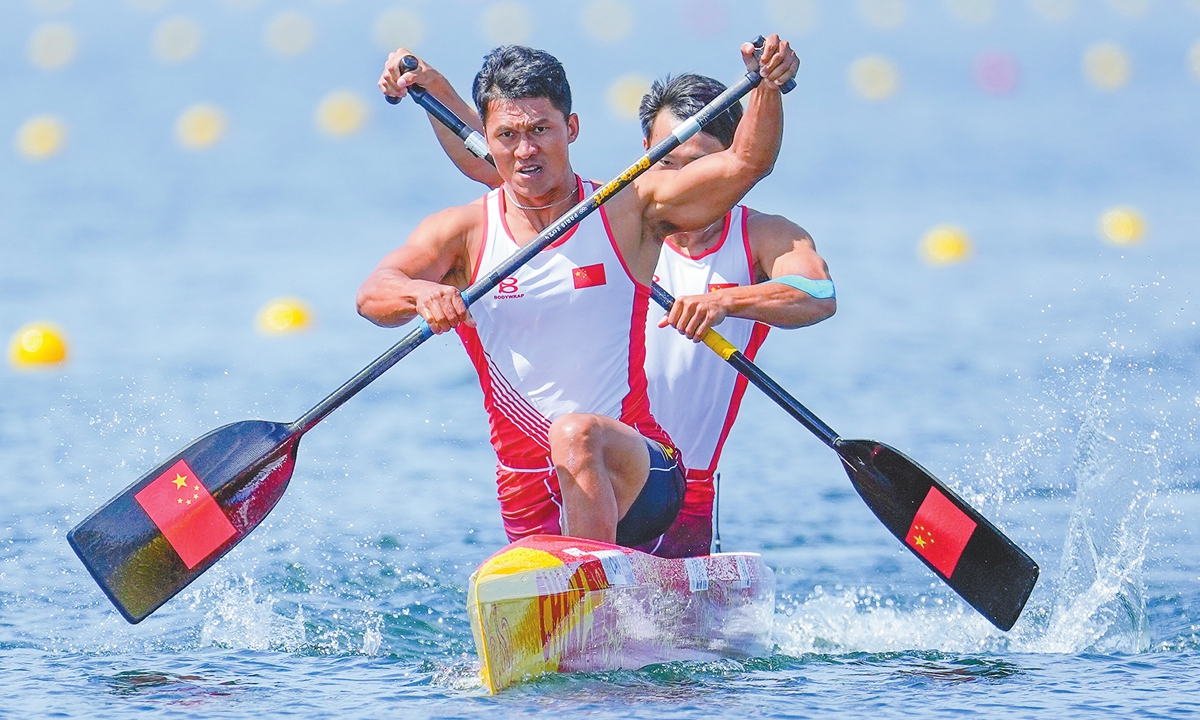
{"x":572,"y":127}
{"x":645,"y":143}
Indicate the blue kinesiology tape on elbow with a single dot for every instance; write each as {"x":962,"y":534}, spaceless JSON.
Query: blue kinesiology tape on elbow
{"x":820,"y":289}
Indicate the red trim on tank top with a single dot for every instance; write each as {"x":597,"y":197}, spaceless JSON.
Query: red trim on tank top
{"x":757,"y":336}
{"x":711,"y":250}
{"x":612,"y":240}
{"x":483,"y":243}
{"x":635,"y":406}
{"x":504,"y":216}
{"x":746,"y":243}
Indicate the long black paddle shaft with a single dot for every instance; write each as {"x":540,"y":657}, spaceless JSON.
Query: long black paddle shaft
{"x":556,"y":230}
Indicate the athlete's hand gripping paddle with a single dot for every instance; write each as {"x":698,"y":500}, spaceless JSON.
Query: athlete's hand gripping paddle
{"x":159,"y":534}
{"x":974,"y":558}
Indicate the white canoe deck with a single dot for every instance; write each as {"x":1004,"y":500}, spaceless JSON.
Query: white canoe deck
{"x":559,"y":604}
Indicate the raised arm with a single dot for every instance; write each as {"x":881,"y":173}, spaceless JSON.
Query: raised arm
{"x":782,"y":251}
{"x":423,"y":276}
{"x":395,"y":83}
{"x":703,"y":191}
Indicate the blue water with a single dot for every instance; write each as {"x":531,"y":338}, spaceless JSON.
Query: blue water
{"x":1050,"y":379}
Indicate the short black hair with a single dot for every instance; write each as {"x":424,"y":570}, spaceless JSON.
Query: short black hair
{"x":515,"y":71}
{"x":684,"y":96}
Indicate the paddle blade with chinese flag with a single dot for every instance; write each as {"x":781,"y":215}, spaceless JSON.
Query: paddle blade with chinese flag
{"x":163,"y":531}
{"x":961,"y":546}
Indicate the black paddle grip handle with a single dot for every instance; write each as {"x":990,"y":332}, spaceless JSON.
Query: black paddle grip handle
{"x":408,"y":63}
{"x":788,"y":86}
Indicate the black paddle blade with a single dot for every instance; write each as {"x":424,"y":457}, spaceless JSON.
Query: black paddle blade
{"x":974,"y":558}
{"x":146,"y":544}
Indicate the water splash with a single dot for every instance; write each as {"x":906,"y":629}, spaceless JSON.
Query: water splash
{"x":238,"y":618}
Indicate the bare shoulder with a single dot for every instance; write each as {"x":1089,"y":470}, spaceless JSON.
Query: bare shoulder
{"x":768,"y":229}
{"x":456,"y":221}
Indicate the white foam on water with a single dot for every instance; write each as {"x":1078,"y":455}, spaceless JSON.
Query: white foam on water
{"x":1111,"y":418}
{"x":237,"y":617}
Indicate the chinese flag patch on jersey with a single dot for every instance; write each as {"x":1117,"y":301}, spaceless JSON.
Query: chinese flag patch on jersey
{"x":588,"y":276}
{"x":940,"y":532}
{"x":720,"y":286}
{"x":186,"y":513}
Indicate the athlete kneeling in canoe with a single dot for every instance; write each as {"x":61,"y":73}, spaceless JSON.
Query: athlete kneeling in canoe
{"x":720,"y":276}
{"x":747,"y":272}
{"x":559,"y":346}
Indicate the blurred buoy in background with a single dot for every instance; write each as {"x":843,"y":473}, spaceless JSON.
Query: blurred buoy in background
{"x":52,"y":46}
{"x":625,"y":96}
{"x":883,"y":14}
{"x":874,"y":77}
{"x":40,"y":137}
{"x":945,"y":244}
{"x":996,"y":72}
{"x":793,"y":16}
{"x":607,"y":21}
{"x":290,"y":34}
{"x":284,"y":315}
{"x":398,"y":28}
{"x":507,"y":23}
{"x":1194,"y":59}
{"x":38,"y":344}
{"x":1130,"y":8}
{"x":176,"y":39}
{"x":199,"y":127}
{"x":1056,"y":10}
{"x":341,"y":113}
{"x":972,"y":12}
{"x":1106,"y":66}
{"x":1122,"y":226}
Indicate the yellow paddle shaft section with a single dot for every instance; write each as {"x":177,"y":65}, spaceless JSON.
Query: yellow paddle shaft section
{"x":719,"y":345}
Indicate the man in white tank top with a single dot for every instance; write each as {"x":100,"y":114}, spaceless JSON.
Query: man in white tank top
{"x":560,"y":345}
{"x":719,"y":276}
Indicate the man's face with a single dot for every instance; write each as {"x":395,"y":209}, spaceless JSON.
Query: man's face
{"x":696,"y":147}
{"x":528,"y":139}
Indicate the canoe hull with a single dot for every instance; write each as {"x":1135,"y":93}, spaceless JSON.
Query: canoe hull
{"x":558,"y":604}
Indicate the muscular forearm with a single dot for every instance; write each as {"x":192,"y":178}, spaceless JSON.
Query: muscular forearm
{"x":775,"y":304}
{"x":757,"y":147}
{"x":386,"y":298}
{"x":473,"y":167}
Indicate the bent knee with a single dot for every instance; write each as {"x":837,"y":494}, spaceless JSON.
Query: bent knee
{"x":577,"y":431}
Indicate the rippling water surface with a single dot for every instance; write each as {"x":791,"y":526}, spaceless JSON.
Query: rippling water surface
{"x":1050,"y":379}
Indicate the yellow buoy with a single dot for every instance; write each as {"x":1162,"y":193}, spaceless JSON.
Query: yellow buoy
{"x":625,"y":96}
{"x":40,"y":137}
{"x":52,"y":46}
{"x":945,"y":244}
{"x":874,"y":77}
{"x":284,"y":315}
{"x":200,"y":126}
{"x":38,"y":344}
{"x":1122,"y":226}
{"x":341,"y":113}
{"x":1106,"y":66}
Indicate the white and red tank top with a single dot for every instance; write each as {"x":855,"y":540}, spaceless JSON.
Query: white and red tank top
{"x":564,"y":334}
{"x":694,"y":394}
